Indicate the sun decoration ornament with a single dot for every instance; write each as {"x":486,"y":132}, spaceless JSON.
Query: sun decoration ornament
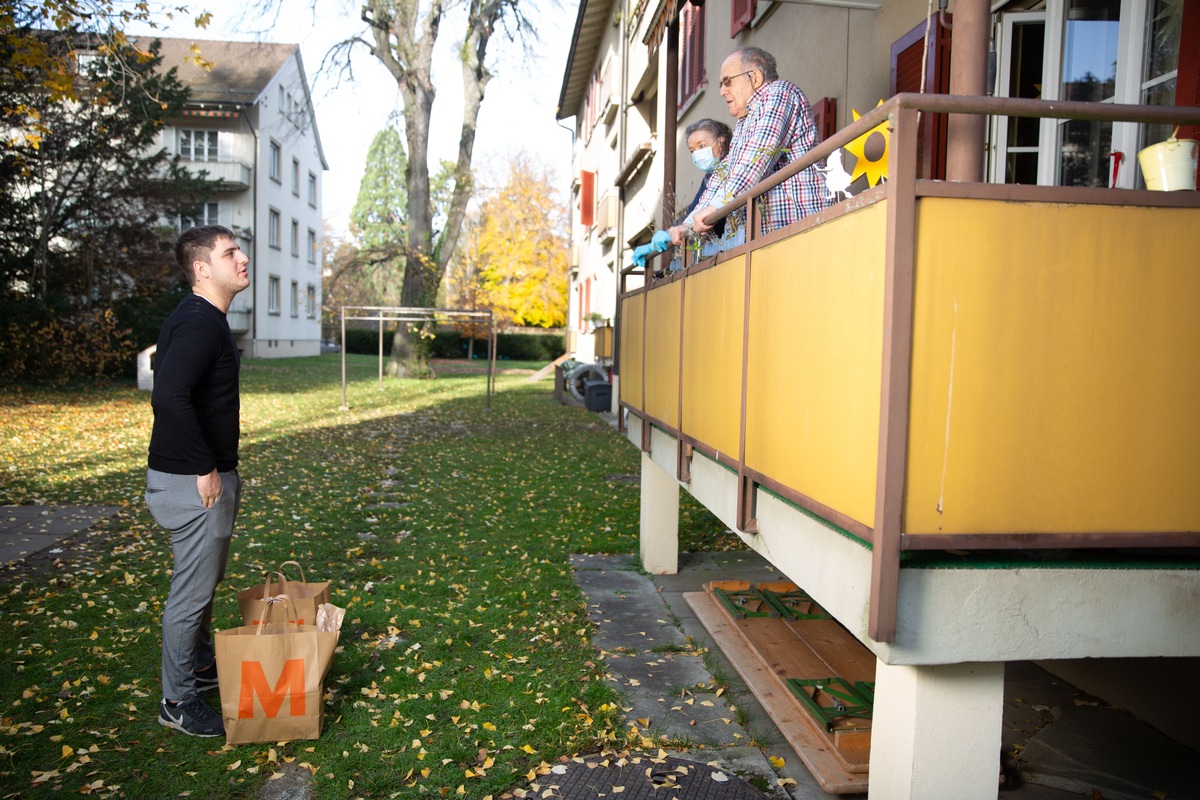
{"x":871,"y":150}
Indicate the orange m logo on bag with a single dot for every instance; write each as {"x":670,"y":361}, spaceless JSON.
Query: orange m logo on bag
{"x":254,"y":682}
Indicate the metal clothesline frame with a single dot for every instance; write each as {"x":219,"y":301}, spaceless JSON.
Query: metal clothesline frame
{"x":398,"y":314}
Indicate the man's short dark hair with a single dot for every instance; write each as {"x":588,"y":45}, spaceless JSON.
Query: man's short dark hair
{"x":761,"y":60}
{"x":196,"y":244}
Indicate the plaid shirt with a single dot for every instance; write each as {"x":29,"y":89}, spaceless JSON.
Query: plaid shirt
{"x":778,"y":128}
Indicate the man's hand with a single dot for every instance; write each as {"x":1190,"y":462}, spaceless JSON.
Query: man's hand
{"x":677,"y":234}
{"x":209,"y":487}
{"x":700,"y":219}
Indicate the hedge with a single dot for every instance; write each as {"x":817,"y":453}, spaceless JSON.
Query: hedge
{"x":449,"y":343}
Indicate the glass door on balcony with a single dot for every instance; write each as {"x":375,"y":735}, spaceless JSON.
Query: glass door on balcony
{"x":1099,"y":51}
{"x":1091,"y":29}
{"x":1160,"y":65}
{"x":1018,"y":140}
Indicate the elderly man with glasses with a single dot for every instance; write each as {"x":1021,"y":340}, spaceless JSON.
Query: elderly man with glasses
{"x":774,"y":128}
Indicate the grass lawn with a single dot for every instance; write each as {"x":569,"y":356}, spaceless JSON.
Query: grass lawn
{"x":446,"y":528}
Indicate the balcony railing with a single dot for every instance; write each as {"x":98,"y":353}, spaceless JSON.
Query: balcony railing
{"x":233,"y":175}
{"x":937,"y":365}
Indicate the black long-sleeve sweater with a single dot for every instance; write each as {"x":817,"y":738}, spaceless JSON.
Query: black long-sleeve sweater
{"x":196,"y":403}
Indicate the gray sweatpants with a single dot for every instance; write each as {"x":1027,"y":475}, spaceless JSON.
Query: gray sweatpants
{"x":200,"y":546}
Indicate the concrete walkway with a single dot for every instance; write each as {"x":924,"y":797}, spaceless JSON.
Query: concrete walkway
{"x":25,"y":530}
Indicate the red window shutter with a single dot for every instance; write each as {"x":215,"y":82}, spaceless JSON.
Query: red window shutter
{"x":741,"y":15}
{"x":691,"y":51}
{"x":587,"y":198}
{"x":824,"y":113}
{"x":1187,"y":84}
{"x":906,"y":77}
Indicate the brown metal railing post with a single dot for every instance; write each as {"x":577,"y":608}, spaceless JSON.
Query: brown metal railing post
{"x":747,"y":521}
{"x":897,"y":356}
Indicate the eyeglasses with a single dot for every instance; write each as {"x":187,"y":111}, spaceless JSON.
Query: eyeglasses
{"x":727,"y":82}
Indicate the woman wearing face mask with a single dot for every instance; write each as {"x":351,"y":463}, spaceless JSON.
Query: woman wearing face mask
{"x":708,"y":141}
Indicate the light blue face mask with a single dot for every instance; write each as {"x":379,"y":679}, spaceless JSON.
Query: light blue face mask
{"x":704,"y":159}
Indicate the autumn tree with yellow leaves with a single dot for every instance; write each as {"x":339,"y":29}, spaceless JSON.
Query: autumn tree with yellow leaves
{"x":515,"y":256}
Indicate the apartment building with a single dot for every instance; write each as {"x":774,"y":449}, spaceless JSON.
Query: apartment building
{"x":957,"y":409}
{"x":250,"y":123}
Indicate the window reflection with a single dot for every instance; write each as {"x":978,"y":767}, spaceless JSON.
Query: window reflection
{"x":1089,"y":74}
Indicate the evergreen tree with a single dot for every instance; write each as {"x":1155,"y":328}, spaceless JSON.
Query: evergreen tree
{"x":380,"y":215}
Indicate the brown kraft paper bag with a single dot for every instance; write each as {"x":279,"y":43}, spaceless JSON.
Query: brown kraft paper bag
{"x":307,"y":597}
{"x":271,"y":679}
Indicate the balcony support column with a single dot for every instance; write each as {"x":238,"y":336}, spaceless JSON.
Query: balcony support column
{"x":659,"y":529}
{"x":936,"y":731}
{"x":965,"y":133}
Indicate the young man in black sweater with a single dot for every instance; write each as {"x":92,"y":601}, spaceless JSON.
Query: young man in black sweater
{"x":192,"y":484}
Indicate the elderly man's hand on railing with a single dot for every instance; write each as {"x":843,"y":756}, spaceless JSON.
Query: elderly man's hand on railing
{"x":700,"y":219}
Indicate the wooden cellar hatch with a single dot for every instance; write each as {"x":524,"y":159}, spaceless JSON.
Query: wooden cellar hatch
{"x":815,"y":680}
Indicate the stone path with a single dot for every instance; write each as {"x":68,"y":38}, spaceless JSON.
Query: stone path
{"x":25,"y":530}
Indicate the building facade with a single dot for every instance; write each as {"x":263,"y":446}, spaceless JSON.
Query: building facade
{"x":956,"y":409}
{"x":250,"y":123}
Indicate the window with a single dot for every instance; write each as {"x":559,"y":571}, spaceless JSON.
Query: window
{"x":1103,"y":51}
{"x":295,"y":238}
{"x":295,"y":299}
{"x":310,"y":301}
{"x":273,"y":295}
{"x":691,"y":52}
{"x":281,"y":98}
{"x":296,"y":177}
{"x":312,"y":190}
{"x":741,"y":16}
{"x":206,"y":214}
{"x":275,"y":161}
{"x":1162,"y":65}
{"x":312,"y":246}
{"x":273,"y":228}
{"x":198,"y":145}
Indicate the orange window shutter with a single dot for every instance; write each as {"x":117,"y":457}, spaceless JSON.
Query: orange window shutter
{"x":587,"y":198}
{"x":741,"y":15}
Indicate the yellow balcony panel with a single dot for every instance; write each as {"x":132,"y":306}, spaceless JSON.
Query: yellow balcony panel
{"x":631,"y":320}
{"x":713,"y":322}
{"x":1055,"y":386}
{"x":662,"y":353}
{"x":815,"y":361}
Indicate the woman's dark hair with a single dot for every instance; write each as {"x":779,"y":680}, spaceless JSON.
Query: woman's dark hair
{"x":719,"y":130}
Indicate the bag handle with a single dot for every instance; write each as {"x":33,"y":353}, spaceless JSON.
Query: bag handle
{"x":279,"y":598}
{"x":296,"y":564}
{"x":267,"y":584}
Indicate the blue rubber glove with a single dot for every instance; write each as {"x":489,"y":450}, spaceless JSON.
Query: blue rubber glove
{"x":640,"y":253}
{"x":661,"y":241}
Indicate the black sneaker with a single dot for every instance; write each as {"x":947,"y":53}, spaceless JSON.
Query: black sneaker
{"x":206,"y":679}
{"x":192,"y":717}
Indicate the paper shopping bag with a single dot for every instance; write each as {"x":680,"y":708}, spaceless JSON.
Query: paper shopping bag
{"x":307,"y":597}
{"x":271,"y":678}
